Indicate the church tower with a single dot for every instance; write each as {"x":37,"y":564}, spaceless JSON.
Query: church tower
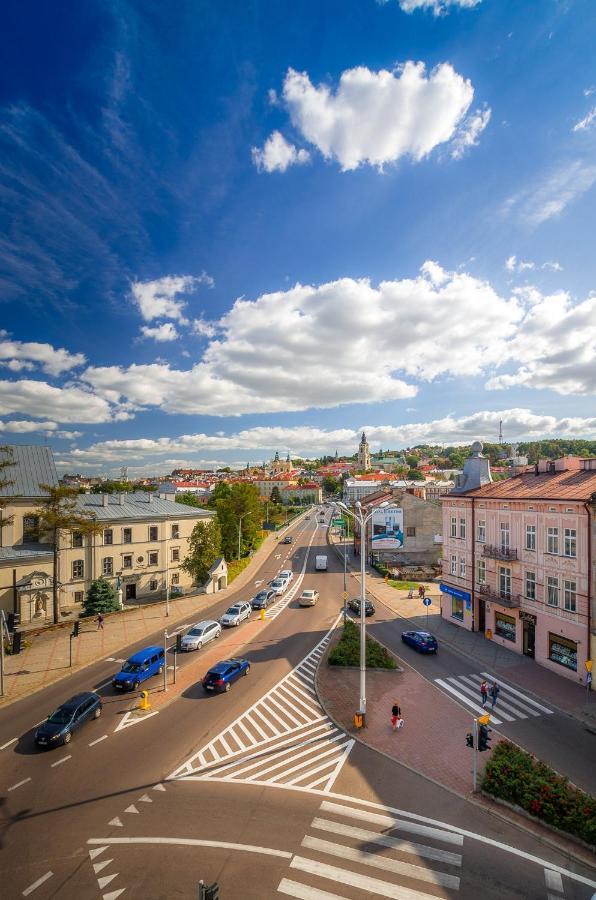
{"x":363,"y":454}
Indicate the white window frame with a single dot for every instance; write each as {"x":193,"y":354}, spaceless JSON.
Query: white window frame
{"x":126,"y":565}
{"x":552,"y":590}
{"x":481,"y":529}
{"x":552,"y":541}
{"x":462,"y":567}
{"x":530,"y":595}
{"x":505,"y":535}
{"x":462,"y":528}
{"x":175,"y":554}
{"x":175,"y":531}
{"x":78,"y":569}
{"x":504,"y":581}
{"x":109,"y":542}
{"x":107,"y":565}
{"x":124,"y":532}
{"x":570,"y":596}
{"x":453,"y":569}
{"x":153,"y":558}
{"x":530,"y":537}
{"x":570,"y":542}
{"x":481,"y":571}
{"x":453,"y":526}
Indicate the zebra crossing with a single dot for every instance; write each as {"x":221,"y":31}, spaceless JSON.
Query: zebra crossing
{"x":512,"y":704}
{"x":373,"y":842}
{"x":284,"y":739}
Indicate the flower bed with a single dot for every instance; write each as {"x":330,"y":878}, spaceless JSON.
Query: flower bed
{"x":518,"y":777}
{"x":347,"y":651}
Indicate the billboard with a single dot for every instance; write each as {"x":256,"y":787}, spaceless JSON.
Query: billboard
{"x":387,"y":528}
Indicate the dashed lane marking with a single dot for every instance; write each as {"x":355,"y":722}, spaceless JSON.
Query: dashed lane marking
{"x":60,"y":761}
{"x":553,"y":881}
{"x":18,"y":784}
{"x":98,"y":740}
{"x":36,"y":884}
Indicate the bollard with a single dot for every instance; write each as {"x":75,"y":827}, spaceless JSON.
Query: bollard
{"x":144,"y":700}
{"x":262,"y":615}
{"x":358,"y":720}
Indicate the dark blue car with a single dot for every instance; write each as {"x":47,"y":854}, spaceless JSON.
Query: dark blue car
{"x":221,"y":676}
{"x":139,"y":668}
{"x":422,"y":641}
{"x":58,"y":728}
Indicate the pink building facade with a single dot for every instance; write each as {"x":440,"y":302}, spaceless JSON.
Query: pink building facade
{"x":518,"y":563}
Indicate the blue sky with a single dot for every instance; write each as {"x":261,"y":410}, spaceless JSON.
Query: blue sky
{"x":230,"y":228}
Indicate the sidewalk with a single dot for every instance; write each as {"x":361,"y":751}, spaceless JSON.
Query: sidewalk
{"x":568,"y":697}
{"x":46,"y":660}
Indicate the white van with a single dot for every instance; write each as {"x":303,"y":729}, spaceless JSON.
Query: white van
{"x":321,"y":563}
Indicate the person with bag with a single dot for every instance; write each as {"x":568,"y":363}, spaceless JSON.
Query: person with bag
{"x":396,"y":719}
{"x":484,"y":692}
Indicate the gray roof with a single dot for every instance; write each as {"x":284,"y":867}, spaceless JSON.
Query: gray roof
{"x":138,"y":505}
{"x":33,"y":465}
{"x":26,"y":553}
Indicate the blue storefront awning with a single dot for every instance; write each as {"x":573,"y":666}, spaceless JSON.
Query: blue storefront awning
{"x":455,"y":592}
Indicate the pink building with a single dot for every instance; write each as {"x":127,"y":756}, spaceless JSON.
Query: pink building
{"x":518,"y":560}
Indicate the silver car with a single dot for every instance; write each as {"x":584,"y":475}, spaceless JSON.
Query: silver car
{"x":278,"y":586}
{"x":200,"y":634}
{"x":287,"y":574}
{"x":236,"y":614}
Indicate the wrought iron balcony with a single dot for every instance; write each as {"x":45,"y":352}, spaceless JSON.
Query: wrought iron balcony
{"x":496,"y":552}
{"x":513,"y":601}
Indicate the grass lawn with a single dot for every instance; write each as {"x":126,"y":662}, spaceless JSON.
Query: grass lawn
{"x":404,"y":585}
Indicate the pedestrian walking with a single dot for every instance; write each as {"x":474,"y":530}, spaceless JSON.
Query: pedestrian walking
{"x":421,"y":592}
{"x":495,"y":690}
{"x":484,"y":692}
{"x":396,"y":719}
{"x":410,"y":594}
{"x":99,"y":621}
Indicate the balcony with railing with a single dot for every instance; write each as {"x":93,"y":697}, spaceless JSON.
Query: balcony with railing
{"x":499,"y":551}
{"x":503,"y":598}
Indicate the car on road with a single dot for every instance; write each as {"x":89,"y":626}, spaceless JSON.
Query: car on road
{"x":278,"y":586}
{"x":287,"y":574}
{"x":263,"y":599}
{"x":236,"y":614}
{"x":221,"y":677}
{"x":308,"y":597}
{"x":141,"y":666}
{"x":58,"y":727}
{"x":288,"y":539}
{"x":307,"y":518}
{"x":200,"y":633}
{"x":422,"y":641}
{"x":354,"y":606}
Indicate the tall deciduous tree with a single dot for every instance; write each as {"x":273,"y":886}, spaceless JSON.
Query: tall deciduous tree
{"x":6,"y":461}
{"x":239,"y":518}
{"x":204,"y":548}
{"x":59,"y":513}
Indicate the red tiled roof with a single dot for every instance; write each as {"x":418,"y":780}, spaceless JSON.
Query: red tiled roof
{"x":572,"y":485}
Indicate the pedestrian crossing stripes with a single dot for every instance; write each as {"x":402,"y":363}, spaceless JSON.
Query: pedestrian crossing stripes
{"x":285,"y":738}
{"x":382,"y":859}
{"x":512,"y":704}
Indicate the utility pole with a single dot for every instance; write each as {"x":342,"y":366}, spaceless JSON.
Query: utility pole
{"x":2,"y":628}
{"x":165,"y":659}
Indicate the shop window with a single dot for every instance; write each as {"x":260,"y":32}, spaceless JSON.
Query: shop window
{"x":462,"y":529}
{"x":530,"y":537}
{"x":30,"y":529}
{"x":530,"y":585}
{"x":453,"y":568}
{"x":127,"y":561}
{"x":108,"y":536}
{"x":552,"y":540}
{"x":552,"y":591}
{"x":562,"y":651}
{"x":153,"y":559}
{"x":570,"y":596}
{"x":505,"y":626}
{"x":127,"y":535}
{"x":481,"y":571}
{"x":107,"y":565}
{"x":457,"y":608}
{"x":570,"y":542}
{"x":78,"y":568}
{"x":153,"y":533}
{"x":481,"y":531}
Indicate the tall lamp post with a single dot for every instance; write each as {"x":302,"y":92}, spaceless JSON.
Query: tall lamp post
{"x":363,"y":521}
{"x":240,"y":531}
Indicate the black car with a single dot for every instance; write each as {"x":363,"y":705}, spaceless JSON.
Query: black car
{"x":354,"y":605}
{"x":263,"y":599}
{"x":288,"y":539}
{"x":58,"y":728}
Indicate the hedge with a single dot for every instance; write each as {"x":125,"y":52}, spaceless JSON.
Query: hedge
{"x":518,"y":777}
{"x":347,"y":651}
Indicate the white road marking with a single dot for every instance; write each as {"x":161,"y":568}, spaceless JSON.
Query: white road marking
{"x":193,"y":842}
{"x":116,"y":823}
{"x":131,"y":809}
{"x":110,"y":659}
{"x":502,"y":704}
{"x":103,"y":684}
{"x":96,"y":851}
{"x":97,"y":867}
{"x":98,"y":740}
{"x":469,"y":694}
{"x":158,"y":787}
{"x":553,"y":880}
{"x":449,"y":837}
{"x":8,"y":743}
{"x":18,"y":784}
{"x":524,"y":697}
{"x":128,"y":719}
{"x":103,"y":882}
{"x":40,"y":723}
{"x":60,"y":761}
{"x":384,"y":840}
{"x":475,"y":706}
{"x":370,"y":885}
{"x":113,"y":894}
{"x":36,"y":884}
{"x":305,"y":892}
{"x":145,"y":799}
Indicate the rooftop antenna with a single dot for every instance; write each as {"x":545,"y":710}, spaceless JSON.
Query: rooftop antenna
{"x":500,"y":431}
{"x":124,"y":473}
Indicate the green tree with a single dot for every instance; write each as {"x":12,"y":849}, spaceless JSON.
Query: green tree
{"x":6,"y":460}
{"x":221,"y":491}
{"x":188,"y":499}
{"x":101,"y":598}
{"x":239,"y":517}
{"x":412,"y":461}
{"x":275,"y":496}
{"x":331,"y":485}
{"x":204,"y":548}
{"x":61,"y":512}
{"x":415,"y":475}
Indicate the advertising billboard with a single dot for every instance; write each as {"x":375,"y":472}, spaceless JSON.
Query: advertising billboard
{"x":388,"y":528}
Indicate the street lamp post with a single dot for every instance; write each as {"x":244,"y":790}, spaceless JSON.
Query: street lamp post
{"x":240,"y":531}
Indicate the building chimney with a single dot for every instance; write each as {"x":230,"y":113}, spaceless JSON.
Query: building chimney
{"x":104,"y":499}
{"x":121,"y":499}
{"x":150,"y":497}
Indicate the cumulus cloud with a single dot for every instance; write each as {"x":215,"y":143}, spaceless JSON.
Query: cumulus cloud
{"x":160,"y":299}
{"x":437,"y":7}
{"x":513,"y":264}
{"x":204,"y":328}
{"x":161,"y":333}
{"x":468,"y":134}
{"x":63,"y":404}
{"x":379,"y":117}
{"x":277,"y":154}
{"x":18,"y":356}
{"x":25,"y":426}
{"x":587,"y":121}
{"x":548,"y":199}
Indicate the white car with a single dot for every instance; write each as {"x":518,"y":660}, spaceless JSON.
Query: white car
{"x":278,"y":586}
{"x":287,"y":574}
{"x":200,"y":634}
{"x":308,"y":598}
{"x":236,"y":614}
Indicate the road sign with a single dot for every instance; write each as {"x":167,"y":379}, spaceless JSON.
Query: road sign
{"x":345,"y":595}
{"x":339,"y":522}
{"x":427,"y":601}
{"x":588,"y":665}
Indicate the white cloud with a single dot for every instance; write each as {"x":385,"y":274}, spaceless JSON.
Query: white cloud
{"x":277,"y":154}
{"x":161,"y":333}
{"x":587,"y":121}
{"x":549,"y":198}
{"x":204,"y":328}
{"x":66,"y":404}
{"x":160,"y":298}
{"x":589,"y":91}
{"x":468,"y":134}
{"x":379,"y":117}
{"x":512,"y":264}
{"x":438,"y":7}
{"x":18,"y":356}
{"x":25,"y":426}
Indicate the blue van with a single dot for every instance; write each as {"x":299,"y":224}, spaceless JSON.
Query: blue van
{"x":139,"y":668}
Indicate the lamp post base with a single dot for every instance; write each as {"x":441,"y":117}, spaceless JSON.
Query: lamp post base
{"x":359,"y":720}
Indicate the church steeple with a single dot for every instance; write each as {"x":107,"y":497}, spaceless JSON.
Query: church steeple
{"x":364,"y":454}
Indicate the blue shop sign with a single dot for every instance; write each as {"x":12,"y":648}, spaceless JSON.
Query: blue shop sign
{"x":455,"y":592}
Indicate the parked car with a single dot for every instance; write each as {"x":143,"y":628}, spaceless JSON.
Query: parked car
{"x":221,"y":676}
{"x":58,"y":728}
{"x":236,"y":614}
{"x":287,"y":574}
{"x":262,"y":599}
{"x":308,"y":597}
{"x":139,"y":668}
{"x":422,"y":641}
{"x":369,"y":607}
{"x":200,"y":634}
{"x":288,"y":539}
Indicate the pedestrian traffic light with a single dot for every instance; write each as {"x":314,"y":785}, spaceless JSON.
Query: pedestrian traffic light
{"x":13,"y":620}
{"x":470,"y":740}
{"x":483,"y":737}
{"x":179,"y":643}
{"x":76,"y":626}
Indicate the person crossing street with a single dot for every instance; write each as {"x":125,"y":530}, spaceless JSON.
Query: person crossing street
{"x":495,"y":690}
{"x":484,"y":692}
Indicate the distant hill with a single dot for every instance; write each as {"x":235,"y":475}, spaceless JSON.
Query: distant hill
{"x":534,"y":450}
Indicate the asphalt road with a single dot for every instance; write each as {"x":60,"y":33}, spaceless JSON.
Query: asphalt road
{"x":271,"y":799}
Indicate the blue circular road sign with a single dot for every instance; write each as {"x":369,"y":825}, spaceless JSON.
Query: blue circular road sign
{"x":427,"y":601}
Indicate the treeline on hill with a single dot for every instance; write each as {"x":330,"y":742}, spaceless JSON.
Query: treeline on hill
{"x":454,"y":457}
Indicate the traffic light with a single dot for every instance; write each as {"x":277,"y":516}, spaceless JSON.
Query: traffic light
{"x":179,"y":643}
{"x":16,"y":643}
{"x":470,"y":740}
{"x":76,"y":627}
{"x":483,"y":737}
{"x":13,"y":620}
{"x":209,"y":891}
